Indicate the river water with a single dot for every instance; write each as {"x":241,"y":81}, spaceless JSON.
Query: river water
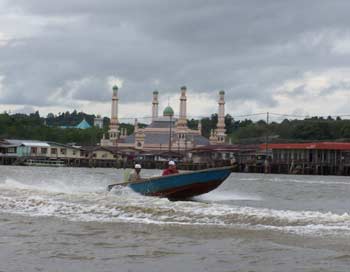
{"x":62,"y":219}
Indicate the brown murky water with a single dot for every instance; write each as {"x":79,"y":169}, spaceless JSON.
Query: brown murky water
{"x":64,"y":220}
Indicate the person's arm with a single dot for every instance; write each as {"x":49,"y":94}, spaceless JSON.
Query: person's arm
{"x":132,"y":177}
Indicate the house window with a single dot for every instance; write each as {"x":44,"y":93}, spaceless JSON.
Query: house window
{"x":43,"y":150}
{"x":53,"y":151}
{"x":74,"y":152}
{"x":11,"y":150}
{"x":34,"y":150}
{"x":63,"y":151}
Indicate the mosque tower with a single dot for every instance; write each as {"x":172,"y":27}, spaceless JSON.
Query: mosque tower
{"x":182,"y":122}
{"x":114,"y":125}
{"x":155,"y":104}
{"x":199,"y":129}
{"x":220,"y":128}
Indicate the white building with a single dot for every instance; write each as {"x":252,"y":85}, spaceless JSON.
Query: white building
{"x":98,"y":121}
{"x":165,"y":133}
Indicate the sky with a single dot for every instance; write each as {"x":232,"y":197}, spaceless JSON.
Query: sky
{"x":288,"y":57}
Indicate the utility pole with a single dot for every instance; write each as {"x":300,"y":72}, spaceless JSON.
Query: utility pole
{"x":170,"y":133}
{"x":267,"y":135}
{"x":267,"y":163}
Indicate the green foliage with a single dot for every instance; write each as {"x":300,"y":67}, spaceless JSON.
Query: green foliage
{"x":68,"y":119}
{"x":192,"y":124}
{"x":310,"y":129}
{"x":32,"y":126}
{"x":22,"y":126}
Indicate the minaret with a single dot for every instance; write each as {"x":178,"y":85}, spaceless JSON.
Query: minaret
{"x":182,"y":122}
{"x":123,"y":133}
{"x":114,"y":125}
{"x":136,"y":126}
{"x":212,"y":138}
{"x":221,"y":131}
{"x":199,"y":129}
{"x":155,"y":104}
{"x":139,"y":136}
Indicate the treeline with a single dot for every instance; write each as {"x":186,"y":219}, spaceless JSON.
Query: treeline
{"x":74,"y":118}
{"x":33,"y":126}
{"x":68,"y":118}
{"x":309,"y":129}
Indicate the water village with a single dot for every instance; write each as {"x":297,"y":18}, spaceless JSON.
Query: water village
{"x":168,"y":137}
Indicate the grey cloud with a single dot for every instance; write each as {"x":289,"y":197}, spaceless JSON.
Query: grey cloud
{"x":247,"y":48}
{"x":25,"y":109}
{"x":343,"y":85}
{"x":300,"y":90}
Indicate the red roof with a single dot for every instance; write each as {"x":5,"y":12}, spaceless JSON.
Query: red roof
{"x":225,"y":148}
{"x":317,"y":145}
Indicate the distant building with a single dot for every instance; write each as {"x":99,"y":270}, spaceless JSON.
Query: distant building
{"x":224,"y":152}
{"x":165,"y":133}
{"x":20,"y":151}
{"x":310,"y":158}
{"x":82,"y":125}
{"x":98,"y":121}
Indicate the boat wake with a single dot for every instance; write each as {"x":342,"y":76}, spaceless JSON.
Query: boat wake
{"x":219,"y":196}
{"x":77,"y":203}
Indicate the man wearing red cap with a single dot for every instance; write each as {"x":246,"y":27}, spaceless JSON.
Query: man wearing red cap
{"x":171,"y":170}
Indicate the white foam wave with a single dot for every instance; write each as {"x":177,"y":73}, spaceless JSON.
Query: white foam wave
{"x":296,"y":179}
{"x":81,"y":197}
{"x":310,"y":181}
{"x":220,"y":196}
{"x":55,"y":185}
{"x":127,"y":206}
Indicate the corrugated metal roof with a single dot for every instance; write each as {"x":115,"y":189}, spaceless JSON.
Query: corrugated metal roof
{"x":152,"y":137}
{"x":31,"y":143}
{"x":200,"y":140}
{"x":130,"y":139}
{"x":225,"y":148}
{"x":162,"y":124}
{"x":157,"y":138}
{"x":316,"y":145}
{"x":163,"y":138}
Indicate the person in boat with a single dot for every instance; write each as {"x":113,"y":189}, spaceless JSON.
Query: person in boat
{"x":171,"y":170}
{"x":135,"y":175}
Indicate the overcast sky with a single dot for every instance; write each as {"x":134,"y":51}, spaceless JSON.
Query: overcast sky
{"x":278,"y":56}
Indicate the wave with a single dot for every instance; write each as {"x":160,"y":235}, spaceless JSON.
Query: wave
{"x":123,"y":205}
{"x":53,"y":185}
{"x":219,"y":196}
{"x":308,"y":181}
{"x":294,"y":179}
{"x":80,"y":195}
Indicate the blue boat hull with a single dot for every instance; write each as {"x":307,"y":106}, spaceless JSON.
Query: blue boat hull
{"x":182,"y":186}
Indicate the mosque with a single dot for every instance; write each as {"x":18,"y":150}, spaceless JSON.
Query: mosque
{"x":165,"y":133}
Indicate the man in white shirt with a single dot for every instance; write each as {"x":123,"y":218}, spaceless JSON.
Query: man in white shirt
{"x":135,"y":175}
